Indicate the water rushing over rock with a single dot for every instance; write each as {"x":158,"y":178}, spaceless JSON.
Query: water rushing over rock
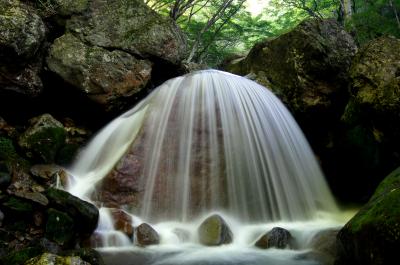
{"x":202,"y":142}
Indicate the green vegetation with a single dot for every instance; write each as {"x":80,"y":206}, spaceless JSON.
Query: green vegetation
{"x":217,"y":29}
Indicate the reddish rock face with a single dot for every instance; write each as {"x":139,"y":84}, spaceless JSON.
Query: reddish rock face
{"x":122,"y":222}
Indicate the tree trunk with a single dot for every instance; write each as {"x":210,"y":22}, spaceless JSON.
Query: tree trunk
{"x":395,"y":13}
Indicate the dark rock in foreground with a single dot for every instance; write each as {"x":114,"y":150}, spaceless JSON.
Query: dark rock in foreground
{"x":146,"y":235}
{"x":372,"y":236}
{"x":276,"y":238}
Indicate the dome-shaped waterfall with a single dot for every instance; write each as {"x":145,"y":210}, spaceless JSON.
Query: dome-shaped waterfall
{"x":202,"y":142}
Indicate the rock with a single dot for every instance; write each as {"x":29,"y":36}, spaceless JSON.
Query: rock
{"x":43,"y":138}
{"x":106,"y":76}
{"x":276,"y":238}
{"x":85,"y":212}
{"x":375,"y":78}
{"x":31,"y":196}
{"x":19,"y":257}
{"x":70,"y":7}
{"x":87,"y":254}
{"x":214,"y":231}
{"x":306,"y":67}
{"x":323,"y":245}
{"x":129,"y":26}
{"x":21,"y":35}
{"x":146,"y":235}
{"x":52,"y":259}
{"x":122,"y":222}
{"x":18,"y":205}
{"x":21,"y":32}
{"x":50,"y":174}
{"x":372,"y":236}
{"x":59,"y":227}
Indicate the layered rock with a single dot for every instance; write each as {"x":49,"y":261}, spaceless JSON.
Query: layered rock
{"x":372,"y":235}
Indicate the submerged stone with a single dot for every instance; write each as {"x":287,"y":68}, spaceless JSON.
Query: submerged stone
{"x":214,"y":231}
{"x":146,"y":235}
{"x":276,"y":238}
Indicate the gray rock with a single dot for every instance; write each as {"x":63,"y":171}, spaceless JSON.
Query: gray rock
{"x":106,"y":76}
{"x":129,"y":26}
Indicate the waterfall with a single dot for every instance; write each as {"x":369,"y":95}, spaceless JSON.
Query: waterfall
{"x":207,"y":141}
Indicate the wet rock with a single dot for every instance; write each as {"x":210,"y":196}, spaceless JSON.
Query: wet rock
{"x":50,"y":174}
{"x":129,"y":26}
{"x":52,"y":259}
{"x":36,"y":197}
{"x":85,"y":212}
{"x":323,"y":245}
{"x":106,"y":76}
{"x":87,"y":254}
{"x":59,"y":227}
{"x":122,"y":222}
{"x":43,"y":138}
{"x":146,"y":235}
{"x":372,"y":236}
{"x":276,"y":238}
{"x":18,"y":205}
{"x":214,"y":231}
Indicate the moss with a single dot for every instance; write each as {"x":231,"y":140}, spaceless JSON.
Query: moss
{"x":7,"y":150}
{"x":21,"y":256}
{"x":18,"y":205}
{"x":47,"y":142}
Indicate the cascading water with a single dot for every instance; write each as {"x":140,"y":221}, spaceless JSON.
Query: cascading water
{"x":207,"y":141}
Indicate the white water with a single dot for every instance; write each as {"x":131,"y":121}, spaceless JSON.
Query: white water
{"x":212,"y":141}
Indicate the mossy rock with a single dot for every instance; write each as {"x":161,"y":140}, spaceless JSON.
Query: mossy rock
{"x":19,"y":257}
{"x":52,"y":259}
{"x":59,"y":227}
{"x":372,"y":236}
{"x":87,"y":254}
{"x":19,"y":205}
{"x":43,"y":139}
{"x":86,"y":213}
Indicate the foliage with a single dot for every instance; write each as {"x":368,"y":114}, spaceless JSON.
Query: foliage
{"x":372,"y":19}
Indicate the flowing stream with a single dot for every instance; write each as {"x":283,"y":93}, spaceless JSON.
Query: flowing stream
{"x":206,"y":142}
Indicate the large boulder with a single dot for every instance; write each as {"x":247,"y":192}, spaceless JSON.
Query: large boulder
{"x":371,"y":141}
{"x":372,"y":236}
{"x":306,"y":67}
{"x":129,"y":26}
{"x":106,"y":76}
{"x":22,"y":32}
